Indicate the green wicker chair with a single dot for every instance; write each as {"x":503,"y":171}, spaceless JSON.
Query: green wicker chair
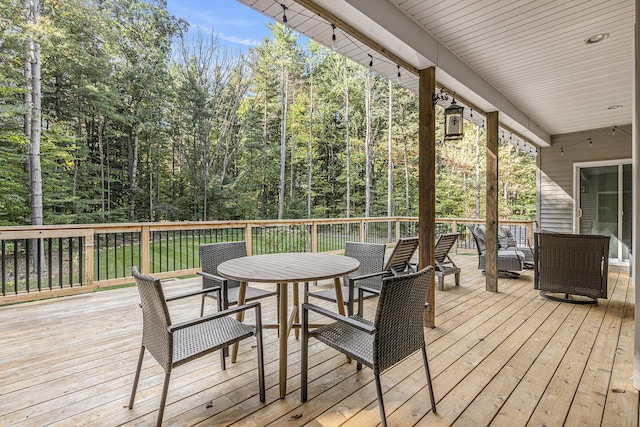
{"x":175,"y":344}
{"x":396,"y":333}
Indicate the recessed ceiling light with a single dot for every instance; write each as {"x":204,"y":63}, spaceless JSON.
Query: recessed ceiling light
{"x":596,"y":38}
{"x":614,"y":107}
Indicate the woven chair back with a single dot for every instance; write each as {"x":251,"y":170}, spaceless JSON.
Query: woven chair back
{"x":371,"y":257}
{"x":399,"y":318}
{"x":155,"y":319}
{"x":214,"y":254}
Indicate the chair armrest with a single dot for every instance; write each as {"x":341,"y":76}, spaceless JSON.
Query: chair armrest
{"x":192,"y":293}
{"x":363,"y":289}
{"x":252,"y":305}
{"x":213,"y":277}
{"x":367,"y":276}
{"x":339,"y":318}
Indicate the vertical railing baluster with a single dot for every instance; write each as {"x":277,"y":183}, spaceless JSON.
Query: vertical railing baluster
{"x":39,"y":264}
{"x":124,"y":254}
{"x":26,"y":270}
{"x":80,"y":261}
{"x":71,"y":261}
{"x":106,"y":258}
{"x":49,"y":263}
{"x":15,"y":265}
{"x":4,"y":268}
{"x":60,"y":278}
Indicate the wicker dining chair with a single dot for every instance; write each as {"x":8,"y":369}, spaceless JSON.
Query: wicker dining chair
{"x":396,"y":333}
{"x":175,"y":344}
{"x":369,"y":274}
{"x":214,"y":254}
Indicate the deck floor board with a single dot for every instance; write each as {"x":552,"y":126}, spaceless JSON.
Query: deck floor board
{"x":510,"y":358}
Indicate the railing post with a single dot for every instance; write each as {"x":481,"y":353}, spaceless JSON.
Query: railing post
{"x":397,"y":229}
{"x":248,"y":237}
{"x":362,"y":230}
{"x":145,"y":268}
{"x":314,"y":236}
{"x":88,"y":258}
{"x":454,"y":229}
{"x":529,"y":232}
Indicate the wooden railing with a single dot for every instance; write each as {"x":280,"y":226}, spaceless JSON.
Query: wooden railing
{"x":47,"y":261}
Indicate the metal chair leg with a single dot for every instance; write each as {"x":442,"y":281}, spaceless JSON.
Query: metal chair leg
{"x":136,"y":378}
{"x":163,"y":399}
{"x":426,"y":368}
{"x":260,"y":350}
{"x":383,"y":417}
{"x":304,"y":352}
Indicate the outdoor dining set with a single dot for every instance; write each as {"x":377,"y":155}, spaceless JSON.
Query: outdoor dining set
{"x":377,"y":340}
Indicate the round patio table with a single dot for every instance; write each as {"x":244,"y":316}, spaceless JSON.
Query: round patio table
{"x":283,"y":269}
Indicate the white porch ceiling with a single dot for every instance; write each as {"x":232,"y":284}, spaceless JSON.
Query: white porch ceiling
{"x":526,"y":58}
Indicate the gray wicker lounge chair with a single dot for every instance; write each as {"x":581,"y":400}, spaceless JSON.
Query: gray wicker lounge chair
{"x":175,"y":344}
{"x":571,"y":267}
{"x":211,"y":256}
{"x":396,"y":333}
{"x":369,"y":274}
{"x":510,"y":260}
{"x":444,"y":263}
{"x":507,"y":240}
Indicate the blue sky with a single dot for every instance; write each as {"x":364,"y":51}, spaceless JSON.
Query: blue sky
{"x":238,"y":26}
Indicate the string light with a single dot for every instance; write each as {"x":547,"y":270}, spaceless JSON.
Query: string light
{"x":562,"y":151}
{"x":613,"y":131}
{"x":284,"y":15}
{"x":590,"y":142}
{"x":370,"y":60}
{"x":334,"y":41}
{"x":398,"y":79}
{"x":471,"y":113}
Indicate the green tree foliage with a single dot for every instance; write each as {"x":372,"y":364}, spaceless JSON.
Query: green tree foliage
{"x":145,"y":120}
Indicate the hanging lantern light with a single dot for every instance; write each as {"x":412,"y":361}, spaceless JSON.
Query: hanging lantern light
{"x":453,"y":129}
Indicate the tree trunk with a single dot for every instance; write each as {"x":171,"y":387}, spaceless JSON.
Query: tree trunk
{"x":310,"y":167}
{"x":34,"y":114}
{"x":133,"y":141}
{"x":283,"y":141}
{"x":347,"y":149}
{"x":101,"y":152}
{"x":478,"y":172}
{"x":390,"y":164}
{"x":35,"y":107}
{"x":368,"y":147}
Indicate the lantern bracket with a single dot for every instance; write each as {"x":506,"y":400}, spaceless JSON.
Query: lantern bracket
{"x":442,"y":96}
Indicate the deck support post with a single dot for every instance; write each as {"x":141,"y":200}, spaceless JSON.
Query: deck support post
{"x":491,"y":270}
{"x":427,"y":181}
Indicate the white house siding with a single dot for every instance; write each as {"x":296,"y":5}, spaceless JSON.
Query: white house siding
{"x":555,"y":174}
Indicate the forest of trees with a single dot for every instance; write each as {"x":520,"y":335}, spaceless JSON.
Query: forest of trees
{"x":127,"y":115}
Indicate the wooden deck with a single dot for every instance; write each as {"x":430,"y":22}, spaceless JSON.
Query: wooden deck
{"x":510,"y":358}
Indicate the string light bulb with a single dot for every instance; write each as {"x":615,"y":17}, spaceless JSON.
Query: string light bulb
{"x":613,"y":131}
{"x":590,"y":142}
{"x":562,"y":151}
{"x":284,"y":15}
{"x":334,"y":41}
{"x":471,"y":112}
{"x":399,"y":77}
{"x":370,"y":60}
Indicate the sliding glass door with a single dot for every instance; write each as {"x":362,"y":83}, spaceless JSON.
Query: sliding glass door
{"x":603,"y":201}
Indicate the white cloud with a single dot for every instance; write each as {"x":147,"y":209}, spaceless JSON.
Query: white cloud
{"x":239,"y":40}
